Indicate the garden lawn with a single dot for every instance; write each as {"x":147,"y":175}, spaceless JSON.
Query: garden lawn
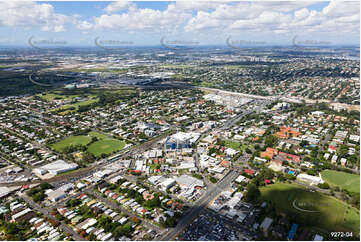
{"x":325,"y":213}
{"x":234,"y":145}
{"x":71,"y":141}
{"x":347,"y":181}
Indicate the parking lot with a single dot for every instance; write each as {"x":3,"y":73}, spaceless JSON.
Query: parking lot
{"x":13,"y":173}
{"x":210,"y":227}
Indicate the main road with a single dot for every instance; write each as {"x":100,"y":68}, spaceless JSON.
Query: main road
{"x":211,"y":193}
{"x":212,"y":190}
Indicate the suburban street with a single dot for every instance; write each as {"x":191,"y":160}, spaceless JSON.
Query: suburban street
{"x":45,"y":212}
{"x":114,"y":205}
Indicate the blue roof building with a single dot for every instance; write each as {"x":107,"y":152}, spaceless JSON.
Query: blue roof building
{"x":292,"y":232}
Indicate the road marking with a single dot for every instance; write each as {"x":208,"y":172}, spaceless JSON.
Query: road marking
{"x":302,"y":210}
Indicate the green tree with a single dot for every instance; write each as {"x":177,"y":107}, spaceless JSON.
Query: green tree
{"x":271,"y":141}
{"x":323,"y":185}
{"x":38,"y":197}
{"x":252,"y":193}
{"x":45,"y":186}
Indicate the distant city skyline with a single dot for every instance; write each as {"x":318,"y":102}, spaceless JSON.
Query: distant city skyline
{"x":188,"y":23}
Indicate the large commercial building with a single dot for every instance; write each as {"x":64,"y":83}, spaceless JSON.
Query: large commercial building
{"x":188,"y":182}
{"x":56,"y":195}
{"x":56,"y":167}
{"x":181,"y":140}
{"x":4,"y":191}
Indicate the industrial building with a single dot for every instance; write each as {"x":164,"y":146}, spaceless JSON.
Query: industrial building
{"x":55,"y":168}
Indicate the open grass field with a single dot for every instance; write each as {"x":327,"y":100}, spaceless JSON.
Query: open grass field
{"x":88,"y":70}
{"x":176,"y":66}
{"x":98,"y":135}
{"x":178,"y":76}
{"x":51,"y":96}
{"x":75,"y":105}
{"x":106,"y":146}
{"x":234,"y":67}
{"x":71,"y":140}
{"x":315,"y":210}
{"x":234,"y":145}
{"x":347,"y":181}
{"x":207,"y":84}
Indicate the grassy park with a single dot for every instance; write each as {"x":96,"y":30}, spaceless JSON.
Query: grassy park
{"x":52,"y":96}
{"x":89,"y":70}
{"x":76,"y":105}
{"x":311,"y":208}
{"x":106,"y":146}
{"x":347,"y":181}
{"x":71,"y":141}
{"x":98,"y":135}
{"x":176,"y":66}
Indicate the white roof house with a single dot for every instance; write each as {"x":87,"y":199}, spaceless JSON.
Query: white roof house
{"x":241,"y":178}
{"x":56,"y":195}
{"x":266,"y":224}
{"x":334,"y":158}
{"x":168,"y":183}
{"x":318,"y":238}
{"x":231,"y":152}
{"x":21,"y":213}
{"x":326,"y":156}
{"x":343,"y":161}
{"x":89,"y":222}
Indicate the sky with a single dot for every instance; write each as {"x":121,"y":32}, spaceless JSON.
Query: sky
{"x":179,"y":23}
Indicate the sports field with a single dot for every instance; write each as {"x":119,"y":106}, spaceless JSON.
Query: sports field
{"x":71,"y":140}
{"x":98,"y":135}
{"x":75,"y":105}
{"x":51,"y":96}
{"x":106,"y":146}
{"x":318,"y":211}
{"x":347,"y":181}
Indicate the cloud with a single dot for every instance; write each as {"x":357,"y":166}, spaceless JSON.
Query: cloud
{"x":143,"y":19}
{"x":196,"y":5}
{"x":301,"y":14}
{"x":194,"y":17}
{"x":83,"y":25}
{"x":341,"y":9}
{"x":227,"y":17}
{"x":118,"y":6}
{"x":277,"y":17}
{"x":31,"y":14}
